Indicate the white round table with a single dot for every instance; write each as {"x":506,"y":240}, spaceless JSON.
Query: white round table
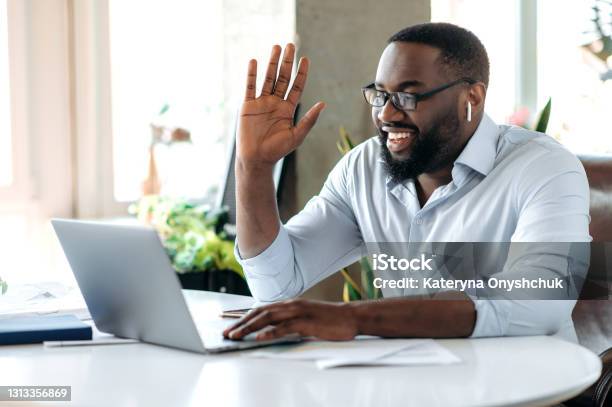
{"x":496,"y":371}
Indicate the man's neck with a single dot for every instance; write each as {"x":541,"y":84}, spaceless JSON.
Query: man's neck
{"x":426,"y":184}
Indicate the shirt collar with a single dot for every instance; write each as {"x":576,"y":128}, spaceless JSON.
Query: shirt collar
{"x":478,"y":154}
{"x":481,"y":150}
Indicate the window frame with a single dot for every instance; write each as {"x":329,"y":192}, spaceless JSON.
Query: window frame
{"x":92,"y":110}
{"x":526,"y":93}
{"x":17,"y":192}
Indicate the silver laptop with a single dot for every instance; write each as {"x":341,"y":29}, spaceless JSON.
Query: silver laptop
{"x":132,"y":291}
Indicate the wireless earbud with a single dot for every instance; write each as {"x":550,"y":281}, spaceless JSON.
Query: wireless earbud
{"x":469,"y":112}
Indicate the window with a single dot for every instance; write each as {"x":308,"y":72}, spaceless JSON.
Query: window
{"x":188,"y":60}
{"x":539,"y":50}
{"x":497,"y":31}
{"x":572,"y":76}
{"x":174,"y":59}
{"x":6,"y":162}
{"x":87,"y":79}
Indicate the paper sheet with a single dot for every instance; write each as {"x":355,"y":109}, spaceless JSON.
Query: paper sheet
{"x":426,"y":352}
{"x":362,"y":351}
{"x":41,"y":299}
{"x":314,"y":350}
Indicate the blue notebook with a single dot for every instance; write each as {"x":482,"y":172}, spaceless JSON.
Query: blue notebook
{"x":36,"y":329}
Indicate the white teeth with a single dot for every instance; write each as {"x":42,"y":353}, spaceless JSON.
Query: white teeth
{"x":397,"y":136}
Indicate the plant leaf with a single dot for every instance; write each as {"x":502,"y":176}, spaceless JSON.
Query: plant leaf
{"x":348,"y":141}
{"x":349,"y":280}
{"x":345,"y":144}
{"x":542,"y":122}
{"x":340,"y":147}
{"x":164,"y":109}
{"x":367,"y":279}
{"x":349,"y":293}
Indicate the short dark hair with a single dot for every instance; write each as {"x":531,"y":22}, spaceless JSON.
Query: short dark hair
{"x":461,"y":51}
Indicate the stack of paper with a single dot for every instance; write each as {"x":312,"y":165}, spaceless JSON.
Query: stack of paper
{"x":42,"y":299}
{"x":364,"y":351}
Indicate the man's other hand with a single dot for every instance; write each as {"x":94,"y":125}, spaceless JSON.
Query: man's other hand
{"x":324,"y":320}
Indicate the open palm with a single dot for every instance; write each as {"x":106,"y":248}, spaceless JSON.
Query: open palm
{"x":266,"y":132}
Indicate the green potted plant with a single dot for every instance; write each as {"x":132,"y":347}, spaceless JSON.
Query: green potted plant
{"x":351,"y":290}
{"x":200,"y":251}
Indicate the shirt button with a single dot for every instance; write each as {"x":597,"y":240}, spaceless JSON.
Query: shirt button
{"x":419,"y":221}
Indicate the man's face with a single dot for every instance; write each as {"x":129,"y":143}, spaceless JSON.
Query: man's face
{"x":430,"y":137}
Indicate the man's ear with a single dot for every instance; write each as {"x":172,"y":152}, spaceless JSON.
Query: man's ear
{"x":476,"y":96}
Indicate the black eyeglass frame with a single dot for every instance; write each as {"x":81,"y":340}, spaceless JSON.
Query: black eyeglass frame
{"x":417,"y":97}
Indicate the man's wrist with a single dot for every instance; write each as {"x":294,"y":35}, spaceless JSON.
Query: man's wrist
{"x":452,"y":315}
{"x":352,"y":311}
{"x":253,"y":167}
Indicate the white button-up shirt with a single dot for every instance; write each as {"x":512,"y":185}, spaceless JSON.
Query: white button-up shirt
{"x":508,"y":185}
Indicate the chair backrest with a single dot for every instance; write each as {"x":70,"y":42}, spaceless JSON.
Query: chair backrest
{"x":593,"y":317}
{"x":599,"y":173}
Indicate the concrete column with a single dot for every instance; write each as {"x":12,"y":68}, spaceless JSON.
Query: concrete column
{"x":344,"y":40}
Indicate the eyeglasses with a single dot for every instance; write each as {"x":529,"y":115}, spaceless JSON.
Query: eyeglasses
{"x":402,"y":100}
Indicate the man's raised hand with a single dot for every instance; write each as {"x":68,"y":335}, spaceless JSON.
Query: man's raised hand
{"x":265,"y":131}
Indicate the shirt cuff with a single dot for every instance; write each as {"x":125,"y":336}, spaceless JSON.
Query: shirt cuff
{"x":270,"y":260}
{"x":271,"y":274}
{"x":491,"y":318}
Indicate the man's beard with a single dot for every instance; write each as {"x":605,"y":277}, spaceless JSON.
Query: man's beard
{"x":431,"y":150}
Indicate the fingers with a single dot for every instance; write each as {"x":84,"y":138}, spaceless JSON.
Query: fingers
{"x":261,"y":318}
{"x":261,"y":321}
{"x":278,"y":86}
{"x":308,"y":121}
{"x":268,"y":85}
{"x":284,"y":74}
{"x":246,"y":318}
{"x":297,"y":326}
{"x":251,"y":80}
{"x":299,"y":82}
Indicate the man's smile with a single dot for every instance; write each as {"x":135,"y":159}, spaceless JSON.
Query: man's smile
{"x":399,"y":139}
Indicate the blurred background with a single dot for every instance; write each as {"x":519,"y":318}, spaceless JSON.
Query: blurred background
{"x":105,"y":102}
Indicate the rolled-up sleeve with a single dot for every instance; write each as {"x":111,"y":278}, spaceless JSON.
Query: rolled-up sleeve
{"x":268,"y":274}
{"x":553,"y":206}
{"x":320,"y":240}
{"x":520,"y":317}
